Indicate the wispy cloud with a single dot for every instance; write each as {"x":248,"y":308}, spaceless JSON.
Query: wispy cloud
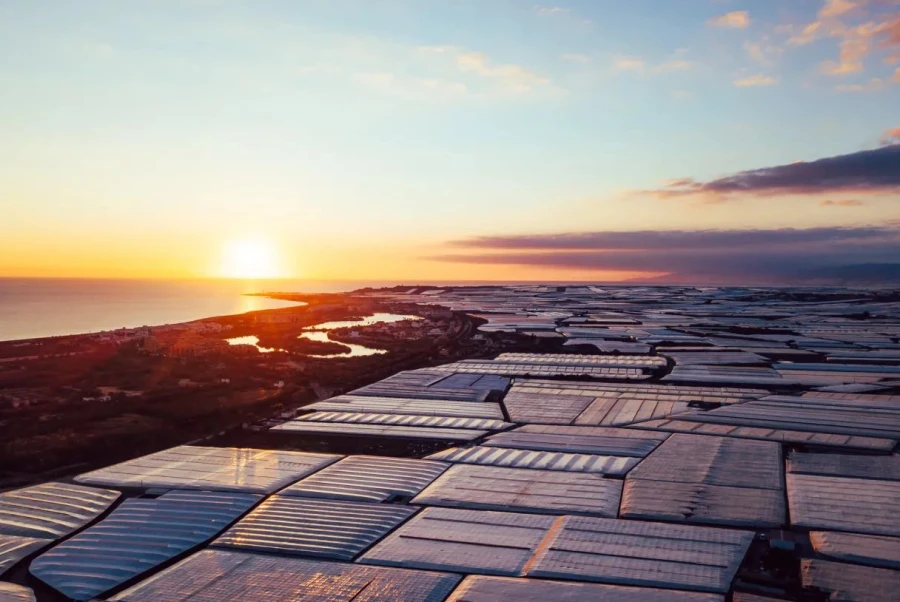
{"x":677,"y":62}
{"x":739,"y":19}
{"x":576,"y":58}
{"x":509,"y":76}
{"x":755,"y":80}
{"x":628,"y":63}
{"x":513,"y":76}
{"x":763,"y":52}
{"x":551,"y":10}
{"x":864,"y":172}
{"x":414,"y":88}
{"x":873,"y":85}
{"x":673,"y":65}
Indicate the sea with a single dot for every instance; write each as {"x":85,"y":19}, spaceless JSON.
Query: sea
{"x":46,"y":307}
{"x":38,"y":307}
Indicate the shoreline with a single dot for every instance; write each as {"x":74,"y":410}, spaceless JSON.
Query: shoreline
{"x":82,"y":400}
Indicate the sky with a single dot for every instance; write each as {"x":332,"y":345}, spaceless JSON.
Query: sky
{"x":447,"y":140}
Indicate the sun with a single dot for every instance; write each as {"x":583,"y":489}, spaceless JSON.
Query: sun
{"x":250,"y":258}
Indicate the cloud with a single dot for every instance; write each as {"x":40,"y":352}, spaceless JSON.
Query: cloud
{"x":673,"y":65}
{"x":891,"y":136}
{"x":628,"y":63}
{"x":836,"y":8}
{"x":511,"y":77}
{"x":810,"y":33}
{"x":739,"y":19}
{"x":853,"y":50}
{"x":734,"y":253}
{"x":755,"y":80}
{"x":763,"y":52}
{"x":881,"y":30}
{"x":842,"y":203}
{"x":864,"y":172}
{"x":665,"y":240}
{"x":873,"y":85}
{"x":635,"y":64}
{"x":551,"y":10}
{"x":576,"y":58}
{"x":889,"y":33}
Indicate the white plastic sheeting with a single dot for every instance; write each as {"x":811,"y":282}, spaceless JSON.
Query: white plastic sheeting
{"x":712,"y":480}
{"x":850,"y":582}
{"x":844,"y":504}
{"x":377,"y":430}
{"x":541,"y":369}
{"x":15,"y":593}
{"x":806,"y":414}
{"x":574,"y":359}
{"x":509,"y":589}
{"x":524,"y":490}
{"x":415,"y":407}
{"x":212,"y":468}
{"x":539,"y":460}
{"x":684,"y":425}
{"x":220,"y":575}
{"x":579,"y":439}
{"x":702,"y":504}
{"x":639,"y":553}
{"x":369,"y":479}
{"x":884,"y":468}
{"x":873,"y":550}
{"x":139,"y":535}
{"x":14,"y":548}
{"x":453,"y":422}
{"x":314,"y":527}
{"x":714,"y":461}
{"x":51,"y":510}
{"x":433,"y":384}
{"x":464,"y":541}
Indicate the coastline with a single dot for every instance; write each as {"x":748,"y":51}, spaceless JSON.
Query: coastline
{"x":89,"y":400}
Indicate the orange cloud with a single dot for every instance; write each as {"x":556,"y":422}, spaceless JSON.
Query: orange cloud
{"x":836,"y":8}
{"x":891,"y":136}
{"x":739,"y":19}
{"x":853,"y":50}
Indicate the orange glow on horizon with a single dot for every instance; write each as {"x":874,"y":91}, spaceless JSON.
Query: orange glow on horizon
{"x":250,"y":259}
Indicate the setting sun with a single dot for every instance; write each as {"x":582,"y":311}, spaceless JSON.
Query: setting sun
{"x":250,"y":258}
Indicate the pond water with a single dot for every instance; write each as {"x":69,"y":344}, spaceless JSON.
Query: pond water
{"x":319,"y":332}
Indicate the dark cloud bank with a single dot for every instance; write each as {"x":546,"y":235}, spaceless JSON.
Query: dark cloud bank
{"x":864,"y":172}
{"x":869,"y":254}
{"x":723,"y":255}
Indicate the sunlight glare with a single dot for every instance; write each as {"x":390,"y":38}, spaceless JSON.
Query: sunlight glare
{"x":250,"y":258}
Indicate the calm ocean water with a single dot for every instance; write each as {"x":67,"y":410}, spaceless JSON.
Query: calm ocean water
{"x":32,"y":308}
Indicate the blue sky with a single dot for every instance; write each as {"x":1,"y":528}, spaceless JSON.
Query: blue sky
{"x":360,"y":136}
